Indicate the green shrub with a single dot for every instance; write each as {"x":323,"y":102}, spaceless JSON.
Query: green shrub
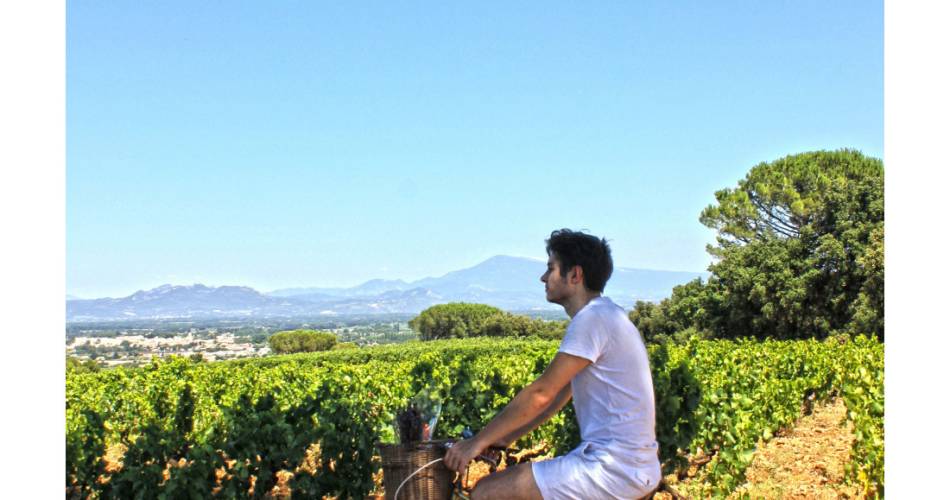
{"x":76,"y":365}
{"x":512,"y":325}
{"x":453,"y":320}
{"x":292,"y":341}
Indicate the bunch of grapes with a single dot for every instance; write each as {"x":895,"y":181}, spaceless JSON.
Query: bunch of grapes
{"x":410,"y":425}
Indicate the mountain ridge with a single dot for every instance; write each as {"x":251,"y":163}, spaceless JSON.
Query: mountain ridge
{"x":511,"y":283}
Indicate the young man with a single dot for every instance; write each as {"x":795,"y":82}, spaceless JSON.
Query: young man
{"x":603,"y":364}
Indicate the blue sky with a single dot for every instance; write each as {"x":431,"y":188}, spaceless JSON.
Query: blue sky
{"x":277,"y":144}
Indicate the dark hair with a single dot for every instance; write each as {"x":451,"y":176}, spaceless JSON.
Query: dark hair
{"x":574,"y":248}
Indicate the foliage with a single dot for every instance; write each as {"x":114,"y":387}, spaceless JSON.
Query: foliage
{"x":512,"y":325}
{"x":674,"y":318}
{"x":867,"y":312}
{"x":85,"y":447}
{"x":76,"y":365}
{"x":252,"y":418}
{"x":677,"y":395}
{"x":650,"y":321}
{"x":864,"y":396}
{"x":798,"y":245}
{"x":452,"y":320}
{"x":463,"y":320}
{"x":800,"y":254}
{"x":292,"y":341}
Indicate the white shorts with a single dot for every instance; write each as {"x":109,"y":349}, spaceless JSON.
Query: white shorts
{"x":591,"y":472}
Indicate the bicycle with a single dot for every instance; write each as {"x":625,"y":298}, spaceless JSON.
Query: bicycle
{"x":494,"y":456}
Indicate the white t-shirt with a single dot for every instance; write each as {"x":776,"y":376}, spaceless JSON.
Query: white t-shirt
{"x":613,"y":396}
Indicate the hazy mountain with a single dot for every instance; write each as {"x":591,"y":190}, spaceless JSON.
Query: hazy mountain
{"x":371,"y":287}
{"x":500,"y":273}
{"x":511,"y":283}
{"x":194,"y":301}
{"x":393,"y":301}
{"x":505,"y":275}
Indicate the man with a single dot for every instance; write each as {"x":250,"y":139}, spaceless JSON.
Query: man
{"x":603,"y":363}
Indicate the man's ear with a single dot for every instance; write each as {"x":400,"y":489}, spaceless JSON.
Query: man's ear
{"x":577,"y":275}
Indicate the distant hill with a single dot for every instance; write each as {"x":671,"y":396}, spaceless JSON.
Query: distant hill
{"x":371,"y":287}
{"x":511,"y":283}
{"x":169,"y":301}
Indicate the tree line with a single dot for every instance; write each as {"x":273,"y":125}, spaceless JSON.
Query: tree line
{"x":461,"y":320}
{"x":301,"y":340}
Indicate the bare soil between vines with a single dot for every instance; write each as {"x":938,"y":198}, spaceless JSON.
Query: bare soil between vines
{"x":805,"y":461}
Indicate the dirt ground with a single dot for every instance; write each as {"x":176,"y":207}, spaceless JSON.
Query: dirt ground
{"x":808,"y":462}
{"x":804,"y":462}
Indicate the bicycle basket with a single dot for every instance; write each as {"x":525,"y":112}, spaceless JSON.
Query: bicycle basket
{"x":401,"y":460}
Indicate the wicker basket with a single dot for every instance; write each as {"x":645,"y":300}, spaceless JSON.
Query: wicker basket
{"x":401,"y":460}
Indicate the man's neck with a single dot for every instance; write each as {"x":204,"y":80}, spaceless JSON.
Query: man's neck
{"x":578,"y":301}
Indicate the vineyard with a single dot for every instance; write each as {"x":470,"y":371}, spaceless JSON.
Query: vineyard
{"x":193,"y":429}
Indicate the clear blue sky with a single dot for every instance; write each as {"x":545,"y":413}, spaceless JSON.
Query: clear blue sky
{"x":278,"y":144}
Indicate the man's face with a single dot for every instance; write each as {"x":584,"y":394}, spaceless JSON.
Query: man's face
{"x":556,"y":288}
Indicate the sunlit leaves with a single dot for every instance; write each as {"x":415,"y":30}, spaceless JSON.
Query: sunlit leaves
{"x":256,"y":417}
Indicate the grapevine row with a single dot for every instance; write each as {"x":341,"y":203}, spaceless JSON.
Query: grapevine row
{"x":225,"y":429}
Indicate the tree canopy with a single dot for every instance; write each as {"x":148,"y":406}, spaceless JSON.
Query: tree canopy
{"x":679,"y":313}
{"x":514,"y":325}
{"x":799,"y":253}
{"x":461,"y":320}
{"x":292,"y":341}
{"x":452,"y":320}
{"x":76,"y":365}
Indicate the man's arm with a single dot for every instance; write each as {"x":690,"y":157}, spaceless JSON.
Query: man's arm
{"x":527,"y":405}
{"x":562,"y":398}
